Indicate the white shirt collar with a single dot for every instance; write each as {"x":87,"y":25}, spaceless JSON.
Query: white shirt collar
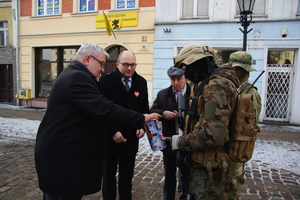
{"x":183,"y":89}
{"x":123,"y":79}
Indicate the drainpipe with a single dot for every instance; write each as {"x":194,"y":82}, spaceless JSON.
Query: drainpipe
{"x":16,"y":18}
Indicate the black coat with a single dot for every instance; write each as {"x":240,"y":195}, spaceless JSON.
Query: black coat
{"x":70,"y":139}
{"x":165,"y":101}
{"x":112,"y":87}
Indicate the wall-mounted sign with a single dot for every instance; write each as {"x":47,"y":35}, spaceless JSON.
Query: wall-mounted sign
{"x":121,"y":4}
{"x":118,"y":20}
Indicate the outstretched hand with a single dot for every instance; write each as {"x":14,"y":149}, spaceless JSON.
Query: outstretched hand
{"x":173,"y":140}
{"x":151,"y":116}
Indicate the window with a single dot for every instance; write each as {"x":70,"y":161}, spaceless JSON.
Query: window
{"x":48,"y":7}
{"x":125,"y":4}
{"x":299,"y":7}
{"x":258,"y":9}
{"x":49,"y":63}
{"x":194,"y":8}
{"x":3,"y":34}
{"x":86,"y":5}
{"x":281,"y":57}
{"x":221,"y":56}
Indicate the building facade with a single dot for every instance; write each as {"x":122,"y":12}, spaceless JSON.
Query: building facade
{"x":47,"y":34}
{"x":274,"y":43}
{"x":7,"y":53}
{"x":50,"y":33}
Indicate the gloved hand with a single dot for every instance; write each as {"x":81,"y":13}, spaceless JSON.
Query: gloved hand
{"x":180,"y":132}
{"x":173,"y":141}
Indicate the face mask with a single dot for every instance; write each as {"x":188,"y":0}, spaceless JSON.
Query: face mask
{"x":197,"y":71}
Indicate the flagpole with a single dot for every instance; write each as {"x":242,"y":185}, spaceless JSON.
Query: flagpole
{"x":114,"y":34}
{"x":107,"y":25}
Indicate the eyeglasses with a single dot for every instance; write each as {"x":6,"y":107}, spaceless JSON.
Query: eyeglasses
{"x":100,"y":62}
{"x":126,"y":65}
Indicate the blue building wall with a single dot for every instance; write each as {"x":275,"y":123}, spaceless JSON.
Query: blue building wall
{"x":265,"y":35}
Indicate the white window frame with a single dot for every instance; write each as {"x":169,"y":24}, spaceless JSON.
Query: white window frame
{"x":55,"y":10}
{"x":4,"y":29}
{"x":125,"y":2}
{"x":254,"y":14}
{"x":195,"y":10}
{"x":87,"y":2}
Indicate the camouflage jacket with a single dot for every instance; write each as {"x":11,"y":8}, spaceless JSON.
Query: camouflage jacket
{"x":209,"y":130}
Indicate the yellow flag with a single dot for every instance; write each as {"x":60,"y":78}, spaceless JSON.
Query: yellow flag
{"x":107,"y":25}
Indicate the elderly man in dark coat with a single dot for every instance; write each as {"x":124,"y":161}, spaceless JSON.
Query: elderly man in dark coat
{"x":70,"y":140}
{"x":166,"y":105}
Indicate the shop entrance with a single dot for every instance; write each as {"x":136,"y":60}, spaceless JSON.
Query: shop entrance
{"x":280,"y":74}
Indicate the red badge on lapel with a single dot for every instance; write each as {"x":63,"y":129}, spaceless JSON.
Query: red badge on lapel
{"x":136,"y":94}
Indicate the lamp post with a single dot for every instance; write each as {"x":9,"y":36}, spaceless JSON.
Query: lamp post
{"x":245,"y":7}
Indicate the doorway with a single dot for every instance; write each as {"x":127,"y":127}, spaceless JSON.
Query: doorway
{"x":6,"y":83}
{"x":280,"y":74}
{"x":113,"y":52}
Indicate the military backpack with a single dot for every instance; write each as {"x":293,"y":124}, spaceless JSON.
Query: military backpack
{"x":242,"y":130}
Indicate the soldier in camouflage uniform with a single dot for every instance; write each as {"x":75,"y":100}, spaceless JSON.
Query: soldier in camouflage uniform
{"x":241,"y":62}
{"x":209,"y":128}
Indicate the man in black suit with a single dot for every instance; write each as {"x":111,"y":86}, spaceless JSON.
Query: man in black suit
{"x":122,"y":143}
{"x":70,"y":140}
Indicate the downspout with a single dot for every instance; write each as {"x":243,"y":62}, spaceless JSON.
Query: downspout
{"x":17,"y":48}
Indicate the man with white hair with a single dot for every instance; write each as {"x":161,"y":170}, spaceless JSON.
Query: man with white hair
{"x":69,"y":146}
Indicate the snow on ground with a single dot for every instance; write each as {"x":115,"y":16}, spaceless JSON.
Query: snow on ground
{"x":278,"y":154}
{"x":18,"y":127}
{"x":13,"y":107}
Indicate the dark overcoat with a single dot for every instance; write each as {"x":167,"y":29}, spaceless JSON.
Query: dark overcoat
{"x":112,"y":87}
{"x":165,"y":101}
{"x":70,"y":139}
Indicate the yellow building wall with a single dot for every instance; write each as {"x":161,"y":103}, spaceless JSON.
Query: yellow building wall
{"x":6,"y":15}
{"x":76,"y":29}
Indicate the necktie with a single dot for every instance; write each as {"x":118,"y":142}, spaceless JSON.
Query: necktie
{"x":126,"y":84}
{"x":176,"y":94}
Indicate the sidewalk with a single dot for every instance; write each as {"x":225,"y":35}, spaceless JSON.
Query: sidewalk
{"x":272,"y":173}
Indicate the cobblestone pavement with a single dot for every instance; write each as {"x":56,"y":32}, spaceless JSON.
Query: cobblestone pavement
{"x":18,"y":179}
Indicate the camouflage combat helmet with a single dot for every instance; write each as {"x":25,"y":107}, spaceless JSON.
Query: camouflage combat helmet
{"x":191,"y":53}
{"x":242,"y":59}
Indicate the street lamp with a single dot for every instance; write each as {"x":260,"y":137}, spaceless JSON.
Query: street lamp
{"x":245,"y":7}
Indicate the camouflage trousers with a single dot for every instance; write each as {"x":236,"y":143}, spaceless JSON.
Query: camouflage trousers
{"x":201,"y":187}
{"x":236,"y":180}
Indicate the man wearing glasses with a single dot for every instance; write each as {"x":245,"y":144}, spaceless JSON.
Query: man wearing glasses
{"x":129,"y":90}
{"x":70,"y":141}
{"x":102,"y":66}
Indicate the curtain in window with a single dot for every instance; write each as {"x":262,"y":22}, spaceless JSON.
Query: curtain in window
{"x":194,"y":8}
{"x":202,"y":8}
